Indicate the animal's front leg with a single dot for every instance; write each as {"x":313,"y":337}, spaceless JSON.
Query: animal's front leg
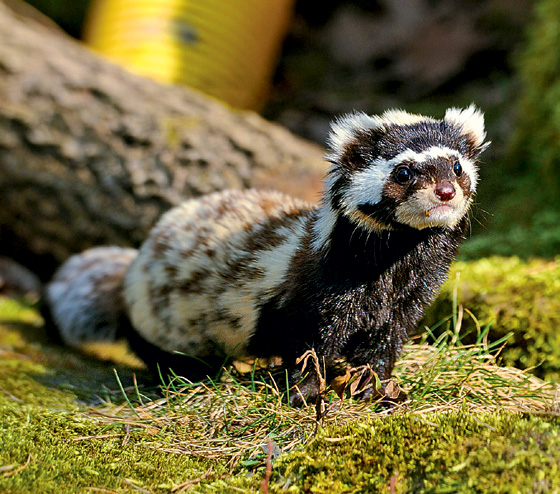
{"x":309,"y":378}
{"x":304,"y":389}
{"x":373,"y":355}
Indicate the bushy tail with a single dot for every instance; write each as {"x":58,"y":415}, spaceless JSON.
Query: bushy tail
{"x":85,"y":299}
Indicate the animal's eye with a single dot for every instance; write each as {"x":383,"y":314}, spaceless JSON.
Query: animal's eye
{"x":403,"y":175}
{"x":457,"y":169}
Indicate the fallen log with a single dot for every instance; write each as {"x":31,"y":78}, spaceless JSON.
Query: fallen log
{"x":91,"y":154}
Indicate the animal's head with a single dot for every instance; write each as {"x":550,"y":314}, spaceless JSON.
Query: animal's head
{"x":400,"y":169}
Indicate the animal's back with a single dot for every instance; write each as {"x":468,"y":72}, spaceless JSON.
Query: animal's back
{"x":208,"y":266}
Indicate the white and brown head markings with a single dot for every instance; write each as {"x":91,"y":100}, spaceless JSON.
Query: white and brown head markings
{"x":401,"y":170}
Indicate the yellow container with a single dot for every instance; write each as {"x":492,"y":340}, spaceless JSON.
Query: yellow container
{"x":226,"y":48}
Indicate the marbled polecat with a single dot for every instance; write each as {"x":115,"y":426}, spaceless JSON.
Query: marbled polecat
{"x":246,"y":273}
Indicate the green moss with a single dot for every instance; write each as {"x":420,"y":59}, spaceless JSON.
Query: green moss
{"x":436,"y":453}
{"x":537,"y":148}
{"x":66,"y":458}
{"x":521,"y":297}
{"x":20,"y":383}
{"x":29,"y":360}
{"x":23,"y":363}
{"x":69,"y":451}
{"x":49,"y":444}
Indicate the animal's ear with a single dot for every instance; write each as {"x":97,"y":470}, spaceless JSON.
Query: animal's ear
{"x":344,"y":132}
{"x":470,"y":122}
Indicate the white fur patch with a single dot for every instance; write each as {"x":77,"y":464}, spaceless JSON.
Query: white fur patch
{"x":366,"y":186}
{"x":470,"y":168}
{"x":323,"y":227}
{"x":424,"y":210}
{"x":470,"y":120}
{"x":401,"y":117}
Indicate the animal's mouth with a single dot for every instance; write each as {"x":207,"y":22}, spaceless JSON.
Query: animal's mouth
{"x":439,"y":210}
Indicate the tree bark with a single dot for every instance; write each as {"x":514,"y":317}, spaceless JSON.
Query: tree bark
{"x":91,"y":154}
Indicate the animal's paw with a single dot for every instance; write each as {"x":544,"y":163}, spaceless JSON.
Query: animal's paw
{"x":363,"y":383}
{"x":304,"y":391}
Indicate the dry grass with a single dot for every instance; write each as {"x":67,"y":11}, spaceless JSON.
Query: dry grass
{"x":227,"y":420}
{"x":449,"y":378}
{"x":235,"y":419}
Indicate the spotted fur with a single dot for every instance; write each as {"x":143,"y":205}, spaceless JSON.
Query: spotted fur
{"x":208,"y":265}
{"x":249,"y":273}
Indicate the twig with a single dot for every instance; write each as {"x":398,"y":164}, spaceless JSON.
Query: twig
{"x":393,"y":483}
{"x":137,"y":487}
{"x":268,"y":472}
{"x":126,"y":437}
{"x":23,"y":467}
{"x":322,"y":384}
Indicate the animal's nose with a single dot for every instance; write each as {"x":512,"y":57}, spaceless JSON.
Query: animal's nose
{"x":445,"y":191}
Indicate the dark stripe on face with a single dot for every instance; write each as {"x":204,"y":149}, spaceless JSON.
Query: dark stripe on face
{"x":359,"y":154}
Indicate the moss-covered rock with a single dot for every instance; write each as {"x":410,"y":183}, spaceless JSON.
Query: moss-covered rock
{"x":434,"y":453}
{"x":512,"y":296}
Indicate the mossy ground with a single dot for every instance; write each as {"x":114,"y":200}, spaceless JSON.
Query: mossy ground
{"x":454,"y":452}
{"x":66,"y":426}
{"x":47,"y":441}
{"x":61,"y":451}
{"x":513,"y":297}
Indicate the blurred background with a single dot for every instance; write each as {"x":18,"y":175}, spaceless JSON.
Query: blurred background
{"x":300,"y":64}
